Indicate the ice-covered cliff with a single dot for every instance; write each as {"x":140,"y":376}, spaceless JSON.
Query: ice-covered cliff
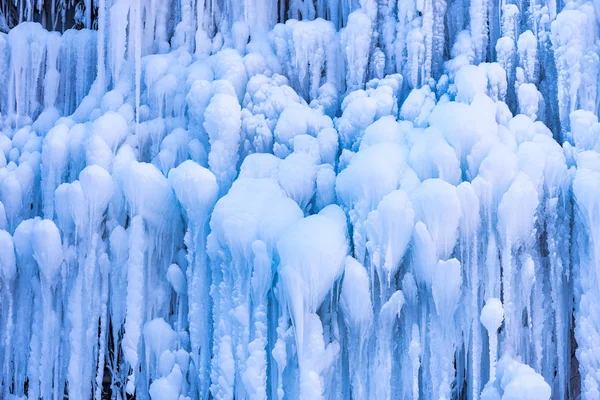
{"x":294,"y":199}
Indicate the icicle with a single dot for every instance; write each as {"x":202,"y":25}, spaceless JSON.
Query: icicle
{"x":515,"y":225}
{"x":8,"y":272}
{"x":415,"y":355}
{"x":47,"y":251}
{"x":255,"y":375}
{"x":492,"y":315}
{"x":446,"y":291}
{"x":88,"y":14}
{"x":135,"y":299}
{"x":438,"y":36}
{"x":138,"y":61}
{"x":356,"y":40}
{"x":196,"y":189}
{"x":479,"y":28}
{"x":189,"y":158}
{"x":588,"y":276}
{"x":382,"y":371}
{"x":104,"y":271}
{"x":358,"y":314}
{"x":118,"y":37}
{"x":101,"y":80}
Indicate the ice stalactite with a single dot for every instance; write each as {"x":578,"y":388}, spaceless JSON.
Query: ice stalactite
{"x":222,"y":123}
{"x":514,"y":231}
{"x":355,"y":303}
{"x":586,"y":231}
{"x":572,"y":33}
{"x":306,"y":283}
{"x":137,"y":44}
{"x":135,"y":290}
{"x":307,"y":52}
{"x":26,"y":68}
{"x":527,"y":46}
{"x":478,"y":10}
{"x":407,"y":12}
{"x":353,"y":184}
{"x":196,"y":190}
{"x":382,"y":370}
{"x":90,"y":196}
{"x":469,"y":249}
{"x":78,"y":69}
{"x":446,"y":290}
{"x":233,"y":287}
{"x":492,"y":315}
{"x":8,"y":263}
{"x":438,"y":41}
{"x":356,"y":40}
{"x":47,"y":252}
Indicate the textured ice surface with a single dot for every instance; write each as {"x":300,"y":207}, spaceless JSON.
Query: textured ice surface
{"x":273,"y":199}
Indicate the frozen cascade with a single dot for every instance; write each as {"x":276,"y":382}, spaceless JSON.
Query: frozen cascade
{"x":293,"y":199}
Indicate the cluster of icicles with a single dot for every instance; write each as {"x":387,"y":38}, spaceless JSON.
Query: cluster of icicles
{"x":355,"y":207}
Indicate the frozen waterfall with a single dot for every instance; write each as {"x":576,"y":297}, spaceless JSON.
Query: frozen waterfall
{"x":299,"y":199}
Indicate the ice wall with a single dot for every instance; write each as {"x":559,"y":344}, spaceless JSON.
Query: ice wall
{"x":300,"y":200}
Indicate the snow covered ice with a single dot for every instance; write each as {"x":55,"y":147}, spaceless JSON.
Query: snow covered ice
{"x":285,"y":199}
